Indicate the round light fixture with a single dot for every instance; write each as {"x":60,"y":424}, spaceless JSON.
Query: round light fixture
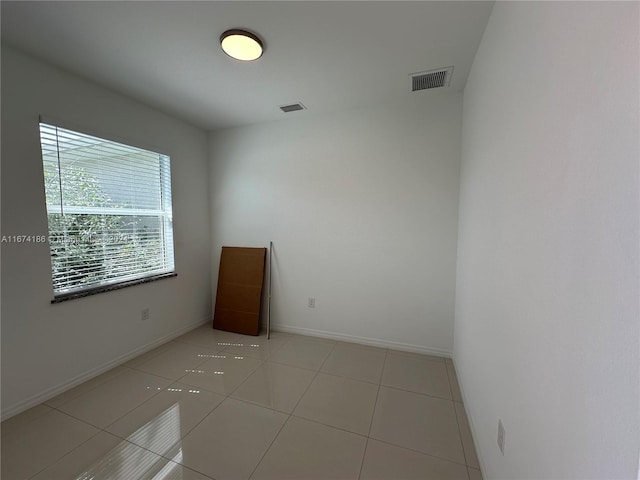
{"x":241,"y":45}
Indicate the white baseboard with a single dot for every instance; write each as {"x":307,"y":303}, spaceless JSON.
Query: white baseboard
{"x":405,"y":347}
{"x":51,"y":392}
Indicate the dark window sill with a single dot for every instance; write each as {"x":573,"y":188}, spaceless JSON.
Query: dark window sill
{"x":108,"y":288}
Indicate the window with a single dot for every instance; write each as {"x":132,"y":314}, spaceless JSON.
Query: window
{"x":109,"y":212}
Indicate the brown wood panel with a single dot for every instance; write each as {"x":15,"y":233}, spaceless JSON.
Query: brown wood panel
{"x":239,"y":298}
{"x":239,"y":294}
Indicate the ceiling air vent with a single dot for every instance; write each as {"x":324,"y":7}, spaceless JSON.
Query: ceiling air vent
{"x":294,"y":107}
{"x":431,"y":79}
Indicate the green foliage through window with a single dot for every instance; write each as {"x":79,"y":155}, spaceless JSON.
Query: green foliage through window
{"x":94,"y":239}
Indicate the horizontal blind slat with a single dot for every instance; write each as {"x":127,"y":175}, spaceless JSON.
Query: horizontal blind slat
{"x":112,"y":219}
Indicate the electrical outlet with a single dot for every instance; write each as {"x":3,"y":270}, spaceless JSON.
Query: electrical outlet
{"x":144,"y":315}
{"x":501,"y":434}
{"x":312,"y":302}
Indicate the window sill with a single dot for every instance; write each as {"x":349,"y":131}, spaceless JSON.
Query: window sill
{"x":108,"y":288}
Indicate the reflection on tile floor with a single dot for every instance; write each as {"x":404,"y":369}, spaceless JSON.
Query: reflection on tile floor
{"x":217,"y":405}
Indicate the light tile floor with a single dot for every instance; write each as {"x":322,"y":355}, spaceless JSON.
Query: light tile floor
{"x":216,"y":405}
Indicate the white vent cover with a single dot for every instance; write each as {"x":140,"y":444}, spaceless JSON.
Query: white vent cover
{"x":431,"y":79}
{"x":294,"y":107}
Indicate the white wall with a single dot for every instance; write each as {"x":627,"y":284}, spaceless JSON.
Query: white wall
{"x":362,"y":208}
{"x":547,"y":315}
{"x":46,"y":347}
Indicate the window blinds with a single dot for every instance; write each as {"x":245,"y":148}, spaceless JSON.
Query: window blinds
{"x":109,"y":210}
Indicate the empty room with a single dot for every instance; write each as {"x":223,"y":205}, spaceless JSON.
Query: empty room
{"x":320,"y":240}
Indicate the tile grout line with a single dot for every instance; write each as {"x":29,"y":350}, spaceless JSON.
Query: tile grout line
{"x":329,"y":426}
{"x":373,"y":414}
{"x":262,"y":363}
{"x":70,"y":451}
{"x":426,"y":395}
{"x":464,"y":453}
{"x":455,"y":412}
{"x":314,"y":377}
{"x":292,"y":410}
{"x":421,"y":452}
{"x":90,"y":390}
{"x":159,"y":347}
{"x":402,"y":447}
{"x":249,"y":402}
{"x":162,"y":456}
{"x":100,"y":430}
{"x":266,"y":450}
{"x":317,"y":372}
{"x":346,"y":377}
{"x":134,"y":368}
{"x":446,"y":368}
{"x":401,"y":353}
{"x":375,"y":405}
{"x":224,"y":351}
{"x":333,"y":374}
{"x":225,"y":395}
{"x":418,"y":393}
{"x":104,"y":429}
{"x":246,"y":379}
{"x":354,"y":433}
{"x":158,"y":391}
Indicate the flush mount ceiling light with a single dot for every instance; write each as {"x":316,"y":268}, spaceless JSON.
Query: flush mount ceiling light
{"x":241,"y":45}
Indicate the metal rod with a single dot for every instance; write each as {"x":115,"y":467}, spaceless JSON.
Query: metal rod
{"x":269,"y":299}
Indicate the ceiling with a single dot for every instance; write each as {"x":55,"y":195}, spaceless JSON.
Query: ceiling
{"x":328,"y":55}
